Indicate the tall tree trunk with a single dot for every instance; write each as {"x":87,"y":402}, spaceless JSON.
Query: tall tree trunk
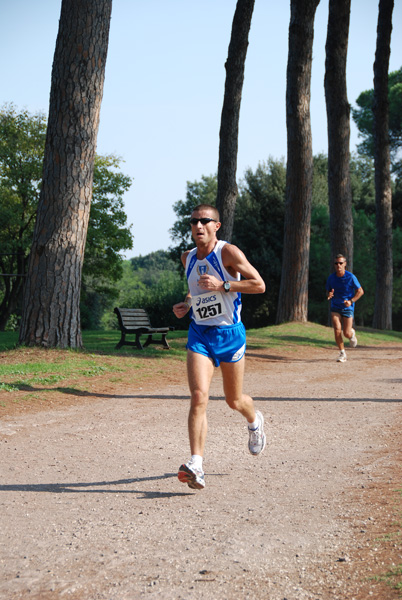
{"x":293,"y":293}
{"x":229,"y":131}
{"x":382,"y":318}
{"x":51,"y":315}
{"x":338,"y":116}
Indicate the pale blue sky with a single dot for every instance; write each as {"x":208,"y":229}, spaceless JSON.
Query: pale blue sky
{"x":164,"y":88}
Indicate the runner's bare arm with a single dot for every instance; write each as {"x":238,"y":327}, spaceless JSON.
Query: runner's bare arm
{"x":358,"y":294}
{"x":235,"y":261}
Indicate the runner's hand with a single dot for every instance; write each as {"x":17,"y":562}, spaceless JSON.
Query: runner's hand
{"x":209,"y":282}
{"x":181,"y":309}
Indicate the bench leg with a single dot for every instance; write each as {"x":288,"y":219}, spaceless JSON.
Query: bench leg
{"x":137,"y":341}
{"x":164,"y":341}
{"x":122,"y":341}
{"x":152,"y":341}
{"x":149,"y":341}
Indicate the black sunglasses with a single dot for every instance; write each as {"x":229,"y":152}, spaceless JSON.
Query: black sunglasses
{"x":338,"y":263}
{"x":203,"y":221}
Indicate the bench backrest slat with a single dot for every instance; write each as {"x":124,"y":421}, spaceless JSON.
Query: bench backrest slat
{"x":134,"y":317}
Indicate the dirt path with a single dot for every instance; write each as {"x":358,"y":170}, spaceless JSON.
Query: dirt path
{"x":91,"y":508}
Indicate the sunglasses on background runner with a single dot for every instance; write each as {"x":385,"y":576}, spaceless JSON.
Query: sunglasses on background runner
{"x":203,"y":221}
{"x":338,"y":263}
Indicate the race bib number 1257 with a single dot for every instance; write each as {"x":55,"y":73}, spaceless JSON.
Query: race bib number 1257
{"x":207,"y":306}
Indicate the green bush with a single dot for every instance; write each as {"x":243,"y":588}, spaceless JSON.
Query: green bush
{"x":157,"y":299}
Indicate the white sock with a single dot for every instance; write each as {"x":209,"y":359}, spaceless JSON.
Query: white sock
{"x":196,"y":460}
{"x":255,"y":424}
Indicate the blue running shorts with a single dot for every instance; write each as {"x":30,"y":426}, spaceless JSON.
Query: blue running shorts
{"x":345,"y":312}
{"x":222,"y":344}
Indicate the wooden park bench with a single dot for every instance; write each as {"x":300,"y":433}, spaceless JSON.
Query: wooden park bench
{"x":136,"y":321}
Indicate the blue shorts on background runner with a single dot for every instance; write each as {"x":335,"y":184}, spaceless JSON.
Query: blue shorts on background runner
{"x":222,"y":344}
{"x":344,"y":312}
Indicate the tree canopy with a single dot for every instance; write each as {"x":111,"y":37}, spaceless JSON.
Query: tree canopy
{"x":22,"y":140}
{"x":364,"y":118}
{"x":258,"y":231}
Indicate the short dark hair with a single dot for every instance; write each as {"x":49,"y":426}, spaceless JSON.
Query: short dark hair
{"x":213,"y":209}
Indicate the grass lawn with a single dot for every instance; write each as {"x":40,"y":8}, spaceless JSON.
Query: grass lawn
{"x":20,"y":365}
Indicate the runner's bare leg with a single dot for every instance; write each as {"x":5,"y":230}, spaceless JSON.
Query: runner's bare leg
{"x":337,"y":325}
{"x":347,"y":327}
{"x":233,"y":376}
{"x":200,"y":370}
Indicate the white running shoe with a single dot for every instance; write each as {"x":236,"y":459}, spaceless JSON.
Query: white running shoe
{"x":257,"y":438}
{"x":342,"y":356}
{"x":353,"y":340}
{"x":193,"y":476}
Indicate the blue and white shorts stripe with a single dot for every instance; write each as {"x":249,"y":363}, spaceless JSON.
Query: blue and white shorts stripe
{"x":222,"y":344}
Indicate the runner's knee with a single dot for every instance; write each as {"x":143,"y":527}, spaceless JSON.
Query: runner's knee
{"x":348,"y":331}
{"x":235,"y":402}
{"x":338,"y":328}
{"x":199,"y":399}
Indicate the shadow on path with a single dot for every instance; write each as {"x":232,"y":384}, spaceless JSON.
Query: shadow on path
{"x":62,"y":488}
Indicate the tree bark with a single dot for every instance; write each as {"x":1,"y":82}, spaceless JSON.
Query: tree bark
{"x":293,"y":293}
{"x":382,"y":318}
{"x":338,"y":117}
{"x":229,"y":130}
{"x":51,"y":316}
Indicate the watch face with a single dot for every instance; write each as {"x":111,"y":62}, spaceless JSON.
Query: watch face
{"x":226,"y":286}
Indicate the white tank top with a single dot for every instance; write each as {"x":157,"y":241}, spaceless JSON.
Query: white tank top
{"x":212,"y":265}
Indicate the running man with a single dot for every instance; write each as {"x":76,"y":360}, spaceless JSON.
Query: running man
{"x":343,"y":289}
{"x":216,"y":335}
